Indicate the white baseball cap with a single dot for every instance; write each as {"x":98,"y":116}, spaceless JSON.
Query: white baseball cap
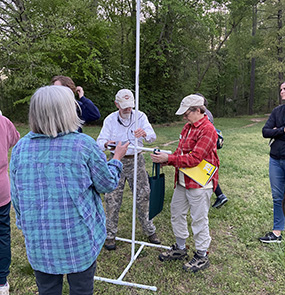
{"x":125,"y":98}
{"x":192,"y":100}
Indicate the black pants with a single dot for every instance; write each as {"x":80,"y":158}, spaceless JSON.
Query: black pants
{"x":81,"y":283}
{"x":5,"y":242}
{"x":218,"y":191}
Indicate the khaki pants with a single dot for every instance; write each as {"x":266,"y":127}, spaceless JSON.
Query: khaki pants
{"x":198,"y":201}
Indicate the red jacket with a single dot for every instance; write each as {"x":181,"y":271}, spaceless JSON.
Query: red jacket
{"x":201,"y":140}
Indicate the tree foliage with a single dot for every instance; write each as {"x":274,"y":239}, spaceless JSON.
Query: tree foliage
{"x":186,"y":46}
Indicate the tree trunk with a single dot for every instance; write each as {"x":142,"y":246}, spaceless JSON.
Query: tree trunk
{"x":252,"y":73}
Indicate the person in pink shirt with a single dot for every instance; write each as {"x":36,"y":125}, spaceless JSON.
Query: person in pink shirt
{"x":9,"y":137}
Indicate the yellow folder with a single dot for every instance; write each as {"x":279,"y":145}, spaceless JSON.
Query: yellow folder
{"x":202,"y":173}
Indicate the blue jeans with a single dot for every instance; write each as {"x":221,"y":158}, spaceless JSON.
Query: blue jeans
{"x":81,"y":283}
{"x":277,"y":182}
{"x":5,"y":242}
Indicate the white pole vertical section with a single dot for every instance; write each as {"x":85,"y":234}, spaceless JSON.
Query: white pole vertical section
{"x":136,"y":124}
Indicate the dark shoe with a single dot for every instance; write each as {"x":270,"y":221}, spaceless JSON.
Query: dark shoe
{"x":270,"y":238}
{"x":110,"y":244}
{"x":220,"y":201}
{"x":154,"y":239}
{"x":173,"y":254}
{"x":197,"y":263}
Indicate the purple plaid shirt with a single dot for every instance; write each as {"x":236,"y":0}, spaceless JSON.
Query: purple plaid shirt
{"x":55,"y":187}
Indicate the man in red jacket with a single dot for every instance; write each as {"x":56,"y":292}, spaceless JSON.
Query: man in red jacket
{"x":197,"y":141}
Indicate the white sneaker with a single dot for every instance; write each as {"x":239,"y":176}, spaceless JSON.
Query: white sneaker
{"x":4,"y":290}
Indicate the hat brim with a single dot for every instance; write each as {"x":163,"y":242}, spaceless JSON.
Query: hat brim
{"x":127,"y":104}
{"x":182,"y":110}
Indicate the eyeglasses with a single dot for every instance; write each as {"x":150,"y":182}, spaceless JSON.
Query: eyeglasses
{"x":188,"y":112}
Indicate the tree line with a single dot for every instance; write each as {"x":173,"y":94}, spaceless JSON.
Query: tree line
{"x":230,"y":51}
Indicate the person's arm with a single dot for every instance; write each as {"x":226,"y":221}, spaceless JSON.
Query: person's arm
{"x":162,"y":158}
{"x":146,"y":131}
{"x":105,"y":134}
{"x":270,"y":130}
{"x":13,"y":134}
{"x":89,"y":112}
{"x":205,"y":144}
{"x":105,"y":175}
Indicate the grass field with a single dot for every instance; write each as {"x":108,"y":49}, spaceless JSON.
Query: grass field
{"x":240,"y":264}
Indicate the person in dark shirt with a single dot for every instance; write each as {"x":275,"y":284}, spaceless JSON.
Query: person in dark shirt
{"x":274,"y":129}
{"x":89,"y":112}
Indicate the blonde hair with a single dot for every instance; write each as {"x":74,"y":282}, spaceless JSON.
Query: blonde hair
{"x":53,"y":109}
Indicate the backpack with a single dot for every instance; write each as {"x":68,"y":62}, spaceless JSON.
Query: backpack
{"x":220,"y":140}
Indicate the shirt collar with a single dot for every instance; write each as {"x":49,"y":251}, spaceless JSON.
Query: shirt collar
{"x":201,"y":121}
{"x":34,"y":135}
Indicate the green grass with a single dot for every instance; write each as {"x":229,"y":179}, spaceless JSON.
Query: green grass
{"x":240,"y":264}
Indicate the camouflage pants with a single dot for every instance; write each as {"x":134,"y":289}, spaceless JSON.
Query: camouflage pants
{"x":114,"y":199}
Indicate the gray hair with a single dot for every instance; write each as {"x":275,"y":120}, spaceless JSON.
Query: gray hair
{"x":53,"y":109}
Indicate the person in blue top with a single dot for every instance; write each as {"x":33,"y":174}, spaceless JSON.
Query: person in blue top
{"x":56,"y":177}
{"x":274,"y":129}
{"x":87,"y":112}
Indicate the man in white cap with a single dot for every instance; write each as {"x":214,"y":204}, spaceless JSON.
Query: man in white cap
{"x":197,"y":141}
{"x":120,"y":126}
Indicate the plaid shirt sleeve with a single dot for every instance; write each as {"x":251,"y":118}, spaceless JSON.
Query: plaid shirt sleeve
{"x":105,"y":175}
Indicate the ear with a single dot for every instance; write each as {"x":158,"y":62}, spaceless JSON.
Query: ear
{"x":117,"y":105}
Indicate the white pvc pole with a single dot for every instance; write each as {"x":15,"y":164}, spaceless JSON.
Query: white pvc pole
{"x":136,"y":124}
{"x":143,"y":243}
{"x":123,"y":283}
{"x":140,"y":148}
{"x":119,"y":281}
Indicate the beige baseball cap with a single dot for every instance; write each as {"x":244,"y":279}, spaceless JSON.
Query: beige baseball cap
{"x":192,"y":100}
{"x":125,"y":98}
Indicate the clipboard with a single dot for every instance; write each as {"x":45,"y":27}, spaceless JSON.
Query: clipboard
{"x":202,"y":173}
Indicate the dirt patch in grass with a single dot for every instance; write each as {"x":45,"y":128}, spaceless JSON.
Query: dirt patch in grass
{"x":255,"y":120}
{"x":258,"y":119}
{"x":170,"y":142}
